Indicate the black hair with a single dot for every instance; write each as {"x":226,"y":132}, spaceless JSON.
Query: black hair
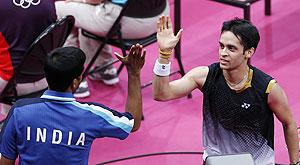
{"x":62,"y":66}
{"x":244,"y":30}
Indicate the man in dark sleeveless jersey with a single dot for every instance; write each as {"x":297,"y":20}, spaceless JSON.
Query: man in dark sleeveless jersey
{"x":21,"y":23}
{"x":239,"y":99}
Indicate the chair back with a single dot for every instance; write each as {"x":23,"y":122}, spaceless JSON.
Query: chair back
{"x":52,"y":37}
{"x":32,"y":64}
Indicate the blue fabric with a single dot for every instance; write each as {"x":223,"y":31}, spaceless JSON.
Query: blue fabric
{"x":57,"y":129}
{"x":119,"y":1}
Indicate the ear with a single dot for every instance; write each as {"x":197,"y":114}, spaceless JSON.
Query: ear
{"x":76,"y":82}
{"x":249,"y":53}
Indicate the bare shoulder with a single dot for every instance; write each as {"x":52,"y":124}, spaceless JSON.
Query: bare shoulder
{"x":276,"y":94}
{"x":278,"y":102}
{"x":198,"y":74}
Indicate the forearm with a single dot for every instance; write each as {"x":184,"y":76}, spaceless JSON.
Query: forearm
{"x":291,"y":138}
{"x":161,"y":86}
{"x":134,"y":99}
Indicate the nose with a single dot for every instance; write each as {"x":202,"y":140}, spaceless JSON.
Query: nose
{"x":223,"y":52}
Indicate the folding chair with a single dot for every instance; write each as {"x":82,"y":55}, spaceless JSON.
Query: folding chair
{"x":32,"y":64}
{"x":245,"y":5}
{"x":114,"y":38}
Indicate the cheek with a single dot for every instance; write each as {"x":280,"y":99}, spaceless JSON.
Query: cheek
{"x":237,"y":57}
{"x":219,"y":51}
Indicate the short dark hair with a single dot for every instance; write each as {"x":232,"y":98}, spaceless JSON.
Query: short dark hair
{"x":244,"y":30}
{"x":62,"y":66}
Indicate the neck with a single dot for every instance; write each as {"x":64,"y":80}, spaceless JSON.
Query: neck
{"x":236,"y":78}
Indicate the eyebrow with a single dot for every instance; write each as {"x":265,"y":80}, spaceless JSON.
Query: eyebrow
{"x":229,"y":45}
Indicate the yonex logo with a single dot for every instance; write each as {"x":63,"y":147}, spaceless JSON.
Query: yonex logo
{"x":26,"y":3}
{"x":245,"y":105}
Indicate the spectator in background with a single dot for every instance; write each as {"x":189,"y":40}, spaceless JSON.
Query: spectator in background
{"x":97,"y":16}
{"x":21,"y":24}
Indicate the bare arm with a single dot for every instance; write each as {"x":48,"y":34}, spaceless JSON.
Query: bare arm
{"x":163,"y":89}
{"x":5,"y":161}
{"x":278,"y":102}
{"x":134,"y":63}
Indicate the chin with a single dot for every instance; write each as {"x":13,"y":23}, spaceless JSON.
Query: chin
{"x":225,"y":67}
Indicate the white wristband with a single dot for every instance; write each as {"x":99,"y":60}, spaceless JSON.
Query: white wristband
{"x":162,"y":69}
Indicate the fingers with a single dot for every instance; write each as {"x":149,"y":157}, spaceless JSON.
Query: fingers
{"x":178,"y":35}
{"x":162,"y":23}
{"x":137,"y":49}
{"x":144,"y":56}
{"x":121,"y":58}
{"x":158,"y":29}
{"x":169,"y":23}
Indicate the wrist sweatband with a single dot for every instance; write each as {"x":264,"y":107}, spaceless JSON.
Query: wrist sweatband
{"x":162,"y":69}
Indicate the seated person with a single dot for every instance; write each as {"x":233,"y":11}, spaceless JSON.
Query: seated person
{"x":15,"y":38}
{"x":97,"y":16}
{"x":56,"y":129}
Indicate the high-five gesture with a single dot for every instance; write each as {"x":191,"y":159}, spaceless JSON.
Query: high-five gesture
{"x":165,"y":35}
{"x":134,"y":63}
{"x":135,"y":59}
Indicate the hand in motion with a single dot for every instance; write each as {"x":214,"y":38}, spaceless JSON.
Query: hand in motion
{"x":135,"y":59}
{"x":165,"y":35}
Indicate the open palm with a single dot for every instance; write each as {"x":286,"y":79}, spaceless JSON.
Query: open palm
{"x":165,"y":36}
{"x":135,"y":59}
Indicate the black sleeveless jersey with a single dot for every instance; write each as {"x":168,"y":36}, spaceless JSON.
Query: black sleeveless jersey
{"x":236,"y":122}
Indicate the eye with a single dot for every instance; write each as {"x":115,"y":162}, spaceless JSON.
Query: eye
{"x":221,"y":46}
{"x":231,"y":48}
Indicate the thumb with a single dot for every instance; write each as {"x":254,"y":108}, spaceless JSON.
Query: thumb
{"x":178,"y":35}
{"x":121,"y":58}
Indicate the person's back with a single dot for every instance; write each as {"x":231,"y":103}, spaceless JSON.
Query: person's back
{"x":49,"y":129}
{"x":21,"y":23}
{"x":55,"y":128}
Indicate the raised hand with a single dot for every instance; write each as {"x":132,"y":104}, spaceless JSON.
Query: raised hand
{"x":135,"y":60}
{"x":165,"y":35}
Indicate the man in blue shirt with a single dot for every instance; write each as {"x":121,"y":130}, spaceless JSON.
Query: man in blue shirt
{"x":56,"y":128}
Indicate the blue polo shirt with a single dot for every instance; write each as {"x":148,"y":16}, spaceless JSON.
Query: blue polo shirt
{"x":57,"y":129}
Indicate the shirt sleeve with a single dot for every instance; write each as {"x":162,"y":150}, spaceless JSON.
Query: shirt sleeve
{"x":119,"y":125}
{"x":8,"y":140}
{"x":110,"y":123}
